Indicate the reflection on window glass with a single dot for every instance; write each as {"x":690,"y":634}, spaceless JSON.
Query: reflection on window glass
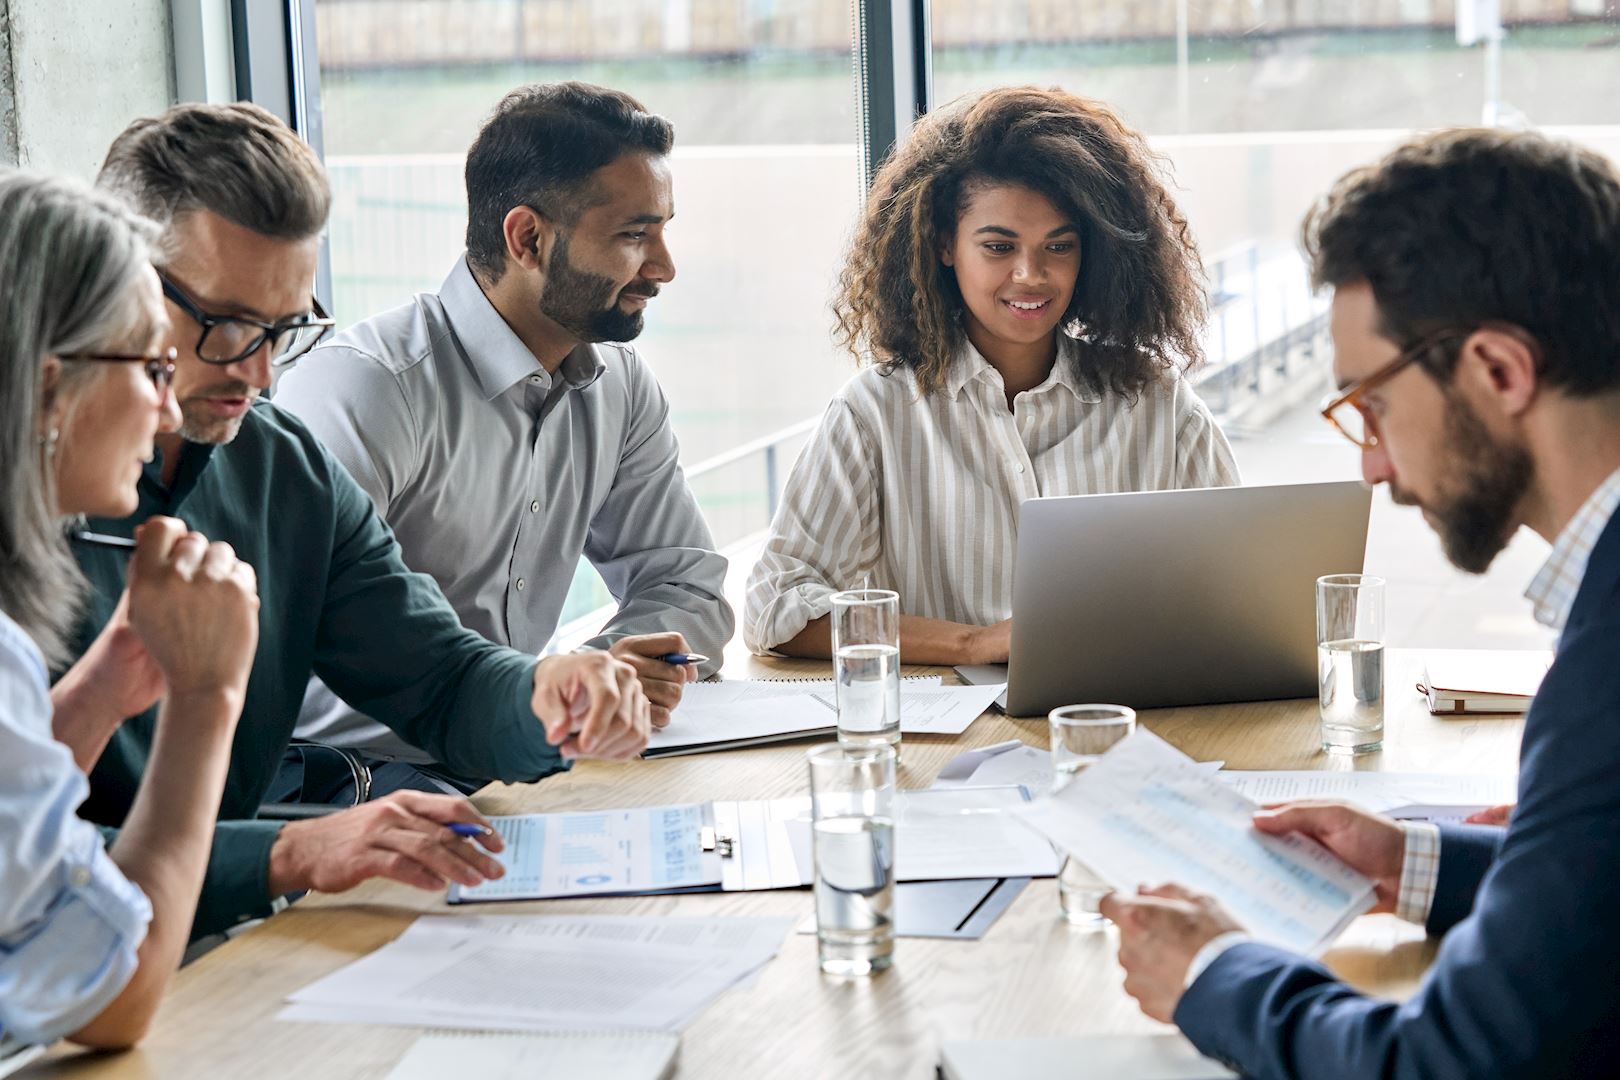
{"x":766,"y":188}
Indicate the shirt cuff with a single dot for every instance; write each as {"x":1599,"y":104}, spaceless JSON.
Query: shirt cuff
{"x":1210,"y":953}
{"x":1420,"y":871}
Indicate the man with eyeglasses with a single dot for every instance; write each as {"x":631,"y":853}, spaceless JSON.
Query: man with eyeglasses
{"x":242,"y":201}
{"x":1476,"y":326}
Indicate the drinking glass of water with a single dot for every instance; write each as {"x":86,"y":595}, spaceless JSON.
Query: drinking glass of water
{"x":866,"y":666}
{"x":1350,"y":662}
{"x":1081,"y":734}
{"x":852,"y":824}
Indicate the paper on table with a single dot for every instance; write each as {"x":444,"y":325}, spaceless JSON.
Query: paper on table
{"x":537,"y":973}
{"x":943,"y":834}
{"x":606,"y":851}
{"x":731,"y":691}
{"x":750,"y":713}
{"x":1011,"y":762}
{"x":504,"y":1056}
{"x":742,"y":721}
{"x":1377,"y":791}
{"x":1146,"y":813}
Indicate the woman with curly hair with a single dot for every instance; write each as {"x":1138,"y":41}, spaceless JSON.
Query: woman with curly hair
{"x":1030,"y":300}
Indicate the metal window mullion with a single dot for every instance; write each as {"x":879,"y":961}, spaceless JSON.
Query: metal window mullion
{"x":893,"y":74}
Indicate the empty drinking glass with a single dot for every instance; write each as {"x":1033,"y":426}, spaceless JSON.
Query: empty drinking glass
{"x":1080,"y":735}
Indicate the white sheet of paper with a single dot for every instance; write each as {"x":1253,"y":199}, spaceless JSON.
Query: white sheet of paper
{"x":500,"y":1056}
{"x":731,"y":691}
{"x":944,"y":834}
{"x":730,"y":711}
{"x":1011,"y":762}
{"x":694,"y":725}
{"x":1377,"y":791}
{"x":545,"y":973}
{"x":1145,"y":813}
{"x":584,"y":853}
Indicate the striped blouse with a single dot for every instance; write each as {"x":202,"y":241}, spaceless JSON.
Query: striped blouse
{"x":921,"y":494}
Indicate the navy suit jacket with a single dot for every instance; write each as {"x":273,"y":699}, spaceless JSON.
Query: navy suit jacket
{"x":1526,"y":982}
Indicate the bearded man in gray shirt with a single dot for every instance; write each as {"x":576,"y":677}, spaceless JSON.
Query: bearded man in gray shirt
{"x":503,"y":426}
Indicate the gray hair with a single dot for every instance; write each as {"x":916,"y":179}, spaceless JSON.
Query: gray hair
{"x":237,"y":160}
{"x":70,"y":260}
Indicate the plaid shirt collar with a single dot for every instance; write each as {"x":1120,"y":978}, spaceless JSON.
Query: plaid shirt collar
{"x":1552,"y":591}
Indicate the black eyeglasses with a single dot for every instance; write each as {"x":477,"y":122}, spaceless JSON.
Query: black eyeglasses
{"x":228,"y":339}
{"x":160,"y":368}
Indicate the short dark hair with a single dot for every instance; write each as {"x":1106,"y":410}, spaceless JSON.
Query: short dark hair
{"x":1139,"y":300}
{"x":237,"y":160}
{"x":1468,"y":226}
{"x":538,"y":148}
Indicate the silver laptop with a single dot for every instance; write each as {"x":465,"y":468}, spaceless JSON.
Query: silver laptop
{"x":1161,"y":598}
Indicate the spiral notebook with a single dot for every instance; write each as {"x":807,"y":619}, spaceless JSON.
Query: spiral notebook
{"x":495,"y":1055}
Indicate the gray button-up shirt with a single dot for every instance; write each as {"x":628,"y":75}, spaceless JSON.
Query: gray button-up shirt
{"x":496,"y":476}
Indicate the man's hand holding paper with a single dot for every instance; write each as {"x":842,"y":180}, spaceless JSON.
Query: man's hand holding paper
{"x":1146,"y":813}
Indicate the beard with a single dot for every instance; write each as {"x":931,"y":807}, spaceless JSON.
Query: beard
{"x":586,"y":304}
{"x":1473,"y":511}
{"x":198,"y":426}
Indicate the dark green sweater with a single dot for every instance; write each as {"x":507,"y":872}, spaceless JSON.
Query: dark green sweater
{"x":336,"y":600}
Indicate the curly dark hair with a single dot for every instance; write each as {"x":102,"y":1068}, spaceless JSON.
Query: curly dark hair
{"x":1474,"y":225}
{"x":1139,"y":301}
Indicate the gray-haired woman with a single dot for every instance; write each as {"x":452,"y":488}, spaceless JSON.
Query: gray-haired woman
{"x":89,"y":935}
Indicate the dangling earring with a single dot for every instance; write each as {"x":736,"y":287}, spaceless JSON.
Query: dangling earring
{"x":48,"y":442}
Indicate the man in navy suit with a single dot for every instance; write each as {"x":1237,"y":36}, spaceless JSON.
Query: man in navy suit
{"x":1476,"y":326}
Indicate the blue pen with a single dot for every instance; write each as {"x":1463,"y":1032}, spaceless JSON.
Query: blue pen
{"x":683,"y":658}
{"x":463,"y":829}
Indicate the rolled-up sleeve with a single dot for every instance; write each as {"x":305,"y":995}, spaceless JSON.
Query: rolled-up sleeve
{"x":826,"y":536}
{"x":70,"y":922}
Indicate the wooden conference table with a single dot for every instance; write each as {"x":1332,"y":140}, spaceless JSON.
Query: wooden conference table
{"x":1030,"y":975}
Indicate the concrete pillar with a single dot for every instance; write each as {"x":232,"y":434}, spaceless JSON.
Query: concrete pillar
{"x":73,"y":74}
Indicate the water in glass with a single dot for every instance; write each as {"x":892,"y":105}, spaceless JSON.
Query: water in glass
{"x":868,"y":678}
{"x":855,"y":894}
{"x":1352,"y":685}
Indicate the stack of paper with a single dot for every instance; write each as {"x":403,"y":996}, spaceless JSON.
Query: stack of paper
{"x":1405,"y":795}
{"x":1146,"y":813}
{"x":544,"y":973}
{"x":728,"y":715}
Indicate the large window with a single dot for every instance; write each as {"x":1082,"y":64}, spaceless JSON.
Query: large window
{"x":1257,"y":106}
{"x":766,"y":187}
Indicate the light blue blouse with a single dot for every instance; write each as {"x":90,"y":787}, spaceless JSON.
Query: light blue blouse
{"x":70,"y":922}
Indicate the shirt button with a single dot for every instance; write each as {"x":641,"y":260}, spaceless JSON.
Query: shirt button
{"x":534,"y":507}
{"x":1019,"y":467}
{"x":536,"y":379}
{"x":80,"y":877}
{"x":520,"y":584}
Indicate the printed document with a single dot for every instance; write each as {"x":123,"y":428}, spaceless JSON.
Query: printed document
{"x":725,"y":715}
{"x":1145,"y":813}
{"x":605,"y":851}
{"x":545,"y":973}
{"x":1380,"y":792}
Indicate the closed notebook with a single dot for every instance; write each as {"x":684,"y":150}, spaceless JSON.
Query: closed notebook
{"x":1084,"y":1057}
{"x":493,"y":1055}
{"x":1482,"y":680}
